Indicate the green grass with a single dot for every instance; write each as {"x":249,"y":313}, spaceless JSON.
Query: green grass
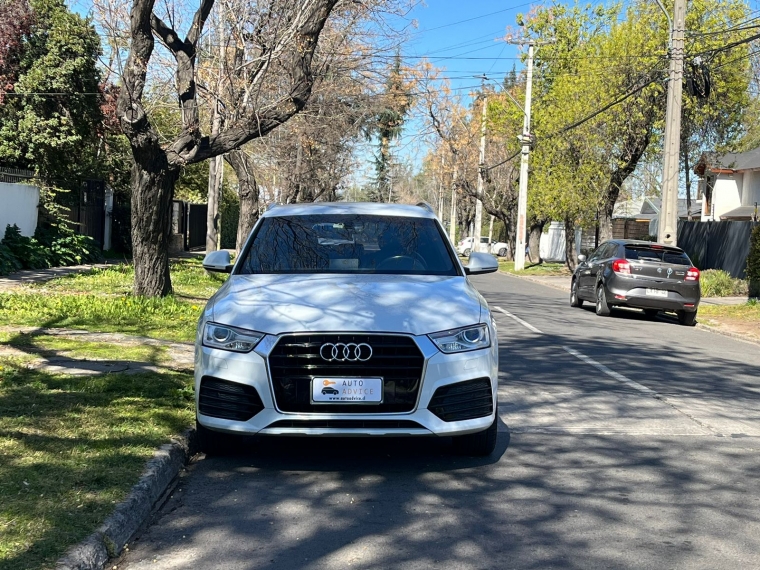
{"x":748,"y":312}
{"x":543,"y":269}
{"x":71,"y":448}
{"x":101,"y":301}
{"x":41,"y":344}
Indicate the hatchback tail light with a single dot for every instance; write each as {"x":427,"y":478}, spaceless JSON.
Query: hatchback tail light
{"x":692,"y":274}
{"x":621,"y":266}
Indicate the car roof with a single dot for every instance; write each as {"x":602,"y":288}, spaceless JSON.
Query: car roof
{"x":646,"y":243}
{"x":360,"y":208}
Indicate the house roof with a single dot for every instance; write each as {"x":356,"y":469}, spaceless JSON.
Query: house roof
{"x":729,"y":161}
{"x":649,"y":208}
{"x":696,"y":206}
{"x":742,"y":212}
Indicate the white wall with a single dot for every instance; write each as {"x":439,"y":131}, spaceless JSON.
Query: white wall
{"x":726,"y":195}
{"x":751,"y":190}
{"x":553,"y":243}
{"x":19,"y":206}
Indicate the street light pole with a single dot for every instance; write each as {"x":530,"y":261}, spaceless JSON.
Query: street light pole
{"x":522,"y":199}
{"x":667,"y":230}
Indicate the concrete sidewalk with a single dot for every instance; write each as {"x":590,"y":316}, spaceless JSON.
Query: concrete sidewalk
{"x":26,"y":276}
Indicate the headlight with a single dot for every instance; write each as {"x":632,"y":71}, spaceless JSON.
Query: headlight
{"x":230,"y":338}
{"x":461,"y":340}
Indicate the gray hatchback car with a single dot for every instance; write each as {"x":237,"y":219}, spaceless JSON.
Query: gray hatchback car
{"x":638,"y":274}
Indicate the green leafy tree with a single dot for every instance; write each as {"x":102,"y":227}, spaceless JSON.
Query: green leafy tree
{"x":51,"y":110}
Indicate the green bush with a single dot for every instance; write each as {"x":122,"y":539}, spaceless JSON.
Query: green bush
{"x":753,"y":262}
{"x":53,"y":246}
{"x":8,"y":261}
{"x":718,"y":283}
{"x":28,"y":251}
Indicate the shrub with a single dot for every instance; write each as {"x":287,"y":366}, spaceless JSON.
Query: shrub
{"x":53,"y":246}
{"x":753,"y":262}
{"x":8,"y":261}
{"x":29,"y":253}
{"x":718,"y":283}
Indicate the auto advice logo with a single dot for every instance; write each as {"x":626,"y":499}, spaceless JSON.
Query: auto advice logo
{"x":350,"y":352}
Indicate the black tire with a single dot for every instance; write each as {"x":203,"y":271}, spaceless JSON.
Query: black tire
{"x":575,"y":300}
{"x":503,"y":252}
{"x":687,"y":318}
{"x":212,"y":442}
{"x":467,"y":252}
{"x":602,"y":308}
{"x":478,"y":444}
{"x":651,"y":313}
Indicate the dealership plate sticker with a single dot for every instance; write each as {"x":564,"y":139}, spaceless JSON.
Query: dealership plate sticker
{"x":347,"y":390}
{"x":657,"y":293}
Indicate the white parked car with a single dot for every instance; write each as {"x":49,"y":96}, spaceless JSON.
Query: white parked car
{"x":464,"y":247}
{"x":347,"y":319}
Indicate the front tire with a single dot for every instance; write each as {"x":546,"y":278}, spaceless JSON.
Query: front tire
{"x":688,"y":319}
{"x":575,"y":300}
{"x":478,"y":444}
{"x":503,"y":252}
{"x":466,"y":252}
{"x":602,"y":308}
{"x":212,"y":442}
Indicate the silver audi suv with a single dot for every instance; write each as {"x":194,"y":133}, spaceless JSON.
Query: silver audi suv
{"x":346,"y":319}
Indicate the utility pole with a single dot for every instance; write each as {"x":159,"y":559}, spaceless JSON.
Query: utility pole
{"x":522,"y":199}
{"x":667,"y":230}
{"x":481,"y":166}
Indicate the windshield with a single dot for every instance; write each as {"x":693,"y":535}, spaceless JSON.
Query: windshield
{"x":349,"y":243}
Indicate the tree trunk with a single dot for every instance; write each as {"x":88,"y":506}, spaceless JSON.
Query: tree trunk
{"x":249,"y":194}
{"x":534,"y":240}
{"x":152,"y":193}
{"x":212,"y":215}
{"x":571,"y":255}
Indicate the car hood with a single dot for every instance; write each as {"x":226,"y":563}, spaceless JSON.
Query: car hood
{"x":276,"y":304}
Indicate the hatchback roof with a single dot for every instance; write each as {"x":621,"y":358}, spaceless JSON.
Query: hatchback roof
{"x":639,"y":242}
{"x":361,"y":208}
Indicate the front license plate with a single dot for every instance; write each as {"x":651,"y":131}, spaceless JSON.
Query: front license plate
{"x":657,"y":293}
{"x":347,"y":390}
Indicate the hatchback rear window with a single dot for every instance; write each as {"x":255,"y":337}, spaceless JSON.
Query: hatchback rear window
{"x":644,"y":253}
{"x":349,"y":243}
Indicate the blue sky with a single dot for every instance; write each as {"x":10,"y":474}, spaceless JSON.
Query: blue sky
{"x":466,"y":40}
{"x":465,"y":37}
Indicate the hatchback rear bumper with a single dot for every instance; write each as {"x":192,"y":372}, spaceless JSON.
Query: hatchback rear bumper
{"x":632,"y":292}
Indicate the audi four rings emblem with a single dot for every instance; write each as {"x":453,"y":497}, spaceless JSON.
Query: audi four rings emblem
{"x":349,"y":352}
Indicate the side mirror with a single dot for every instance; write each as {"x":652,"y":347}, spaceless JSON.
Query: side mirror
{"x":481,"y":263}
{"x":218,"y":261}
{"x":581,"y":259}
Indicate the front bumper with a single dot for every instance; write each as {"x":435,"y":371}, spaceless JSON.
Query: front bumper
{"x":439,"y":370}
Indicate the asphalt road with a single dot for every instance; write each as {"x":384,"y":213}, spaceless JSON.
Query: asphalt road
{"x":626,"y":443}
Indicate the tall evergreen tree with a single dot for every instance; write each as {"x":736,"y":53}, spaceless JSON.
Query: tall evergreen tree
{"x":390,"y":124}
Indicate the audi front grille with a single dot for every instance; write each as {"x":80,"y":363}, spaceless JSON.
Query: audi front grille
{"x":296,"y":359}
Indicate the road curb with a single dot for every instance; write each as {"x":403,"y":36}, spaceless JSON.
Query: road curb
{"x":716,"y":330}
{"x":109,"y":540}
{"x":539,"y":281}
